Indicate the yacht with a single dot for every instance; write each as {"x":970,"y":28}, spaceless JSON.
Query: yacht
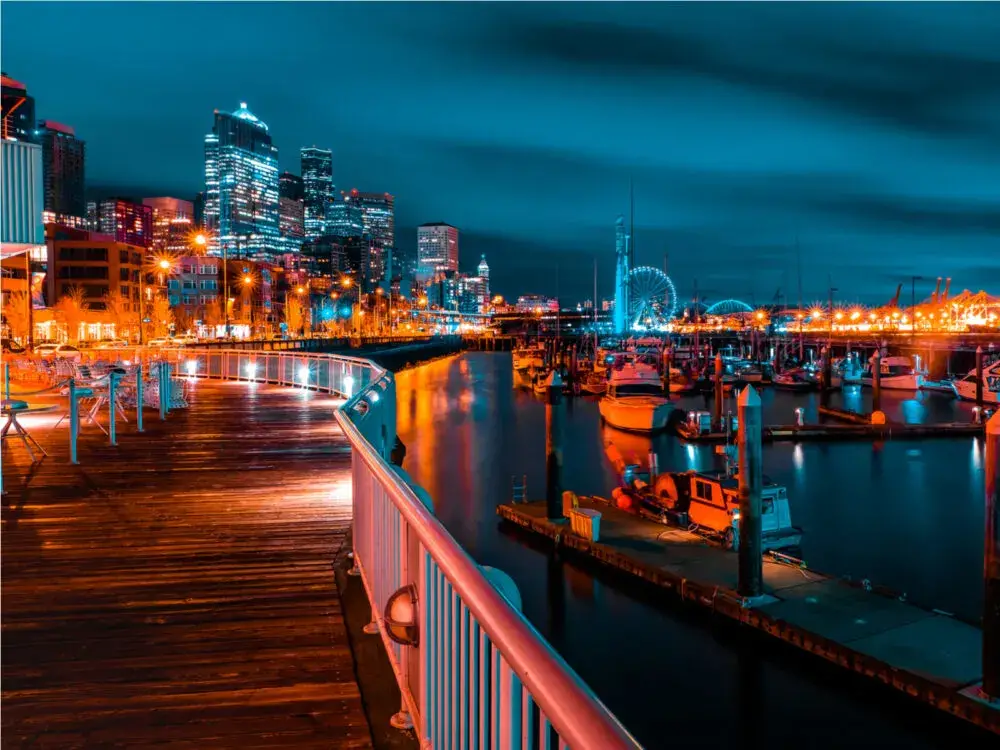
{"x":965,"y":388}
{"x":526,"y":359}
{"x":793,"y":380}
{"x":635,"y":400}
{"x":896,"y":373}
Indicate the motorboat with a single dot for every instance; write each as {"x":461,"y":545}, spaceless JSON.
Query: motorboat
{"x":708,"y":501}
{"x":526,"y":357}
{"x":752,"y":372}
{"x":594,"y":383}
{"x":680,"y":382}
{"x":794,"y":380}
{"x":895,"y":373}
{"x":634,"y":400}
{"x":544,"y":380}
{"x":965,"y":388}
{"x":946,"y":386}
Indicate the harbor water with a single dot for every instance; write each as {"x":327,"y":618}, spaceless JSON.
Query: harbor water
{"x":907,"y":515}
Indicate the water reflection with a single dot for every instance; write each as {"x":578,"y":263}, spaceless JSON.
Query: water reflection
{"x":868,"y":510}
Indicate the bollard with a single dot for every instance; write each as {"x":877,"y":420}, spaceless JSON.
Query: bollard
{"x":74,"y":421}
{"x":138,"y":397}
{"x":717,"y":411}
{"x":979,"y":377}
{"x":553,"y":449}
{"x":112,"y":417}
{"x":991,"y":563}
{"x":876,"y":381}
{"x":751,"y":567}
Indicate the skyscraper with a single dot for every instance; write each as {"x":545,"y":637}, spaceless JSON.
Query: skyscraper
{"x":378,"y":223}
{"x":484,"y":274}
{"x":437,"y":250}
{"x":173,"y":225}
{"x":18,"y":110}
{"x":63,"y":170}
{"x":291,"y":215}
{"x":345,"y":219}
{"x":128,"y":222}
{"x":241,"y":186}
{"x":317,"y":185}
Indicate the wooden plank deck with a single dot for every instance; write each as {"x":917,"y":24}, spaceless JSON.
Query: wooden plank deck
{"x":178,"y":589}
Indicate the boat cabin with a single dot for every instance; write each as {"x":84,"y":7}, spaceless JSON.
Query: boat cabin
{"x":714,"y":505}
{"x":700,"y":422}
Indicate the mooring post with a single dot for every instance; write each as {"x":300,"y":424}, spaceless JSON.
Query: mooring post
{"x":876,"y":381}
{"x":138,"y":397}
{"x":979,"y":378}
{"x":553,"y":449}
{"x":827,"y":375}
{"x":717,"y":412}
{"x":74,"y":421}
{"x":751,"y":567}
{"x":991,"y":566}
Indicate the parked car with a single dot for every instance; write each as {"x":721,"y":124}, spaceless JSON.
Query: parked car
{"x":160,"y":342}
{"x":112,"y":344}
{"x":58,"y":351}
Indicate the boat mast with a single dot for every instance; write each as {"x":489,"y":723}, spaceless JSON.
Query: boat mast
{"x":798,"y":256}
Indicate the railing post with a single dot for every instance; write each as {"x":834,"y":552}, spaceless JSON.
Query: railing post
{"x":74,"y":421}
{"x":164,"y":389}
{"x":138,"y":397}
{"x":112,"y":416}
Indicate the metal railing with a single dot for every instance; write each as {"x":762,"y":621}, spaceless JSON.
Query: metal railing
{"x":477,"y":674}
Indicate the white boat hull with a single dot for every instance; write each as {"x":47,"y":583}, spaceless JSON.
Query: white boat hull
{"x":896,"y":382}
{"x":966,"y":390}
{"x":636,"y":414}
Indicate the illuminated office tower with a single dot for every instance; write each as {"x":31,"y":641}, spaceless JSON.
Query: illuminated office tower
{"x":317,"y":188}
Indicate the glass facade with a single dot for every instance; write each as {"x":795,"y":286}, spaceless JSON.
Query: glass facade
{"x":173,"y":225}
{"x":128,"y":222}
{"x":63,"y":171}
{"x":345,"y":219}
{"x":241,"y":187}
{"x":437,"y":250}
{"x":317,"y":188}
{"x":291,"y":215}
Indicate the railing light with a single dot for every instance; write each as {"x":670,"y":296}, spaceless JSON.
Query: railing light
{"x":348,"y":385}
{"x":401,"y":616}
{"x":251,"y":369}
{"x":191,"y":366}
{"x":304,"y":375}
{"x":374,"y":397}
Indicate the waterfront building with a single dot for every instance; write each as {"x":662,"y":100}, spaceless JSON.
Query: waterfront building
{"x":63,"y":159}
{"x":291,"y":212}
{"x":18,"y":111}
{"x":195,"y":287}
{"x":21,"y":229}
{"x":317,"y":184}
{"x":529,"y":303}
{"x":98,"y":264}
{"x":241,"y":187}
{"x":437,"y":250}
{"x":126,"y":221}
{"x":173,"y":225}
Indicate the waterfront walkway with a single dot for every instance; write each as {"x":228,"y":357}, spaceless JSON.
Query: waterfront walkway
{"x":178,"y":589}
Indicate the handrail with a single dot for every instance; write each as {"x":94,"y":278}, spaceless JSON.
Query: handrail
{"x":565,"y":702}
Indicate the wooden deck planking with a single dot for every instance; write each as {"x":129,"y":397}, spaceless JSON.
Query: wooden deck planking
{"x":178,"y":589}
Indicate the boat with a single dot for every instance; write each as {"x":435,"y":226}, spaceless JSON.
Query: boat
{"x":708,"y":501}
{"x":528,"y":356}
{"x":680,"y":382}
{"x":635,"y":400}
{"x":965,"y":388}
{"x":793,"y":380}
{"x":543,"y":380}
{"x":594,"y":383}
{"x":946,"y":386}
{"x":895,"y":373}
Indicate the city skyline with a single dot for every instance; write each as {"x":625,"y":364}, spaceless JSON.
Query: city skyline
{"x":878,"y":151}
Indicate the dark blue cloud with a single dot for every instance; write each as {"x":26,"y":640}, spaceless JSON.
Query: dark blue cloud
{"x":867,"y":132}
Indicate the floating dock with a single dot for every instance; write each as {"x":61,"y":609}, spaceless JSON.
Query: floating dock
{"x":928,"y":655}
{"x":843,"y":432}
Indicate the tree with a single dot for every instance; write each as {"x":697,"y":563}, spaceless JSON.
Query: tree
{"x":72,"y":309}
{"x":294,"y":315}
{"x":163,"y":316}
{"x":213,"y":314}
{"x":121,"y":314}
{"x":183,"y":319}
{"x":15,"y":315}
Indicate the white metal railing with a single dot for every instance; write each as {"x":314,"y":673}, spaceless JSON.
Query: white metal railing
{"x":480,"y":675}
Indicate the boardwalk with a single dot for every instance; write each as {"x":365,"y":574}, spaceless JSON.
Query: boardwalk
{"x":178,"y":589}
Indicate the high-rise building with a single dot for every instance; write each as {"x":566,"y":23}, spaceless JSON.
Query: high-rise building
{"x":241,"y":186}
{"x":199,"y":209}
{"x":173,"y":225}
{"x":18,"y":110}
{"x":317,"y":185}
{"x":484,"y":274}
{"x":92,"y":220}
{"x":345,"y":219}
{"x":378,"y":222}
{"x":291,"y":216}
{"x":126,"y":221}
{"x":437,"y":250}
{"x":63,"y":170}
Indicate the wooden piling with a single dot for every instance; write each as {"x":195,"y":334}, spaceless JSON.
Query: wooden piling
{"x":991,"y":563}
{"x":979,"y":379}
{"x":553,"y":449}
{"x":751,"y":566}
{"x":717,"y":410}
{"x":876,"y":381}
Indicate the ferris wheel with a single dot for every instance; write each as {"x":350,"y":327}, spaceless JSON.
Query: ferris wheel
{"x":652,"y":298}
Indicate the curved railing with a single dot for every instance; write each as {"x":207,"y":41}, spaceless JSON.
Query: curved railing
{"x":478,"y":675}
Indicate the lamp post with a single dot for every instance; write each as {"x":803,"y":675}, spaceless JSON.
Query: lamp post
{"x":163,"y":266}
{"x":347,"y":283}
{"x":248,"y":291}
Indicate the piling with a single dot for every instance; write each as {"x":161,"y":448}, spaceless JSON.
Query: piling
{"x":750,"y":581}
{"x":827,"y":374}
{"x":717,"y":411}
{"x":553,"y":449}
{"x":876,"y":381}
{"x":979,"y":378}
{"x":991,"y":565}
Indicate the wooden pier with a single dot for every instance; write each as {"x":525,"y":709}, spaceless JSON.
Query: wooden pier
{"x":178,"y":588}
{"x":930,"y":656}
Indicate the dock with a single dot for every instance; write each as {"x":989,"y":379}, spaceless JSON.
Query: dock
{"x":845,"y":432}
{"x":928,"y":655}
{"x":178,"y":588}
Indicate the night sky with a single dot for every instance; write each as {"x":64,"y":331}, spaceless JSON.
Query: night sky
{"x":869,"y":132}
